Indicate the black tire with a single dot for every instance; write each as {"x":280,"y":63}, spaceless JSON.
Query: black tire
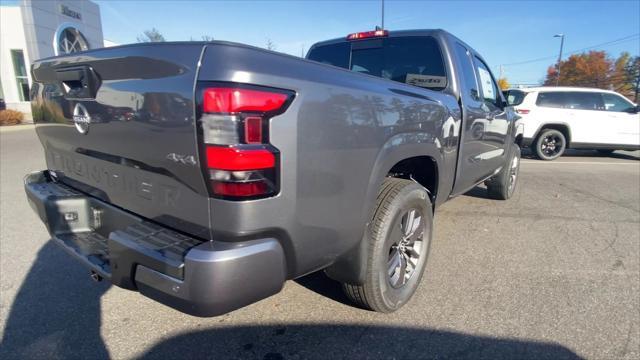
{"x":605,"y":151}
{"x":504,"y":184}
{"x":550,"y":144}
{"x":477,"y":131}
{"x":382,"y":290}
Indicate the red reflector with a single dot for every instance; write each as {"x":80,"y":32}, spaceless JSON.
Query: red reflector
{"x":522,"y":111}
{"x":240,"y":189}
{"x":253,"y":130}
{"x":229,"y":158}
{"x":367,"y":34}
{"x":229,"y":100}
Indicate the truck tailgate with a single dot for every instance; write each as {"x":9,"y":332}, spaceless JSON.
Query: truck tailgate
{"x":119,"y":124}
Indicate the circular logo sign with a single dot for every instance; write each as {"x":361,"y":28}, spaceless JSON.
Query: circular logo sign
{"x":81,"y":118}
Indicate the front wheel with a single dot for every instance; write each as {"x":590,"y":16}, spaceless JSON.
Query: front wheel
{"x":399,"y":239}
{"x":503,"y":184}
{"x":550,"y":144}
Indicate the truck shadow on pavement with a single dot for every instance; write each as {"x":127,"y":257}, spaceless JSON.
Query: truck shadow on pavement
{"x":57,"y":314}
{"x":347,"y":341}
{"x":321,"y":284}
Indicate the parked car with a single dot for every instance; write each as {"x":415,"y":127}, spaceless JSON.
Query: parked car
{"x":278,"y":167}
{"x":559,"y":118}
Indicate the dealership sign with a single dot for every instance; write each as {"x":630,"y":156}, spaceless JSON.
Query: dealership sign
{"x":64,"y":10}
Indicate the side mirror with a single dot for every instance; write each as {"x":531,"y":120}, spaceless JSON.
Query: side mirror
{"x":634,"y":110}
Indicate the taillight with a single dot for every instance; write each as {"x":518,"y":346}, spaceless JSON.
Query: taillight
{"x":522,"y":111}
{"x":232,"y":100}
{"x":240,"y":162}
{"x":367,"y":34}
{"x":236,"y":158}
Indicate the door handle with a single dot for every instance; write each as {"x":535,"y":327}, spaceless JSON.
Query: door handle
{"x":81,"y":82}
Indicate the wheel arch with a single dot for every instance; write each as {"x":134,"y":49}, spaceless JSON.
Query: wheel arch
{"x":419,"y":162}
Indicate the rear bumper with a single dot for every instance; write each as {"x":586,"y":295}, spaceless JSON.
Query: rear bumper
{"x":199,"y":278}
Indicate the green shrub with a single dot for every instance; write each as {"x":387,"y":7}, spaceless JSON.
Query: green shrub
{"x":10,"y":117}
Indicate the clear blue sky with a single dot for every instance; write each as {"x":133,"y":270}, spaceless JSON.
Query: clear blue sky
{"x":505,"y":32}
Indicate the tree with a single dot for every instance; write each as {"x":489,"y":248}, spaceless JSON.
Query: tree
{"x":270,"y":45}
{"x":552,"y":76}
{"x":619,"y":77}
{"x":207,"y":38}
{"x":503,"y":83}
{"x":632,"y":71}
{"x":592,"y":69}
{"x":596,"y":69}
{"x":152,"y":35}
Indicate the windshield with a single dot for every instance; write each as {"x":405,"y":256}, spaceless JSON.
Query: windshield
{"x":414,"y":60}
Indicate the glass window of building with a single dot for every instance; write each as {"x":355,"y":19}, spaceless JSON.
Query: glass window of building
{"x":20,"y":70}
{"x":71,"y":40}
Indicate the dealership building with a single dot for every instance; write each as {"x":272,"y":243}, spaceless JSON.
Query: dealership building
{"x":36,"y":29}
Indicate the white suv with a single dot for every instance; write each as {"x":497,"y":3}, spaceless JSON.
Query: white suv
{"x":557,"y":118}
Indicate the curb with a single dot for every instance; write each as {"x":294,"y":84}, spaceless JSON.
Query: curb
{"x":12,"y":128}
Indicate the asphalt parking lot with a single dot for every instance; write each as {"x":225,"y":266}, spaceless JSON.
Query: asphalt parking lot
{"x":553,"y":273}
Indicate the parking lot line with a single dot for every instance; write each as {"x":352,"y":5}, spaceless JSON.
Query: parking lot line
{"x":579,"y":162}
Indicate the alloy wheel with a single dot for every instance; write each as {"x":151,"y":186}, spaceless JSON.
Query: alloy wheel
{"x":405,"y":251}
{"x":551,"y":145}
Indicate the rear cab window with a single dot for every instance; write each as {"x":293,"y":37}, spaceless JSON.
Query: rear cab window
{"x":413,"y":60}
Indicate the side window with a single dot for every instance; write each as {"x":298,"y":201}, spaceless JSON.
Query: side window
{"x":615,"y":103}
{"x":468,"y":75}
{"x":574,"y":100}
{"x":488,"y":86}
{"x":584,"y":101}
{"x":551,"y":99}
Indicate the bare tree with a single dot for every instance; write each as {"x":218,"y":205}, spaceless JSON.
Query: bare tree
{"x":152,"y":35}
{"x":207,"y":38}
{"x":270,"y":44}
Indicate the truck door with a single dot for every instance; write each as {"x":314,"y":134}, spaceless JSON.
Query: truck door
{"x":485,"y":125}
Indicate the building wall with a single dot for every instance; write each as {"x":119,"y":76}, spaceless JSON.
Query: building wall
{"x":42,"y":18}
{"x":33,"y":27}
{"x":12,"y":37}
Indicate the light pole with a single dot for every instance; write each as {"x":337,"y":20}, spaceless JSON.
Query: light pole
{"x":382,"y":25}
{"x":561,"y":36}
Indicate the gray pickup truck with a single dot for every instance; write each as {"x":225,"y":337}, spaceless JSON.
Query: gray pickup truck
{"x":204,"y":175}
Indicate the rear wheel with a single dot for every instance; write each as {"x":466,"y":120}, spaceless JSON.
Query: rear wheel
{"x":399,"y":239}
{"x":550,"y":144}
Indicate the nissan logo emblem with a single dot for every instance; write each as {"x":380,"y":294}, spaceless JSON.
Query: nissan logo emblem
{"x":81,"y":118}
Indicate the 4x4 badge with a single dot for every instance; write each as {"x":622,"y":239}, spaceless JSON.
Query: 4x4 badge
{"x":81,"y":118}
